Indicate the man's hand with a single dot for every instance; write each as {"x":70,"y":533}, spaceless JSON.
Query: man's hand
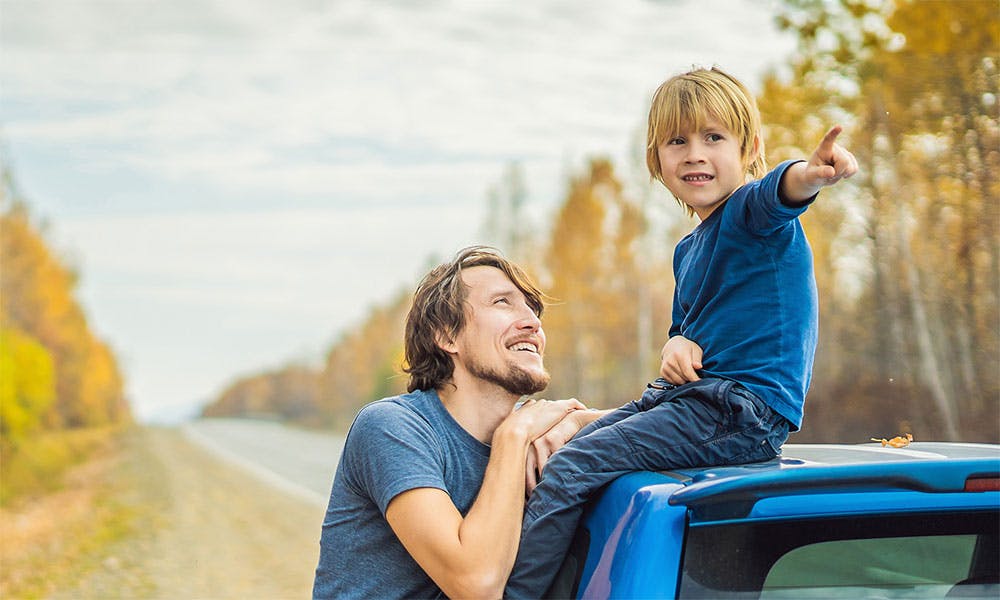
{"x":535,"y":417}
{"x":680,"y":359}
{"x":830,"y":163}
{"x":555,"y":438}
{"x":471,"y":555}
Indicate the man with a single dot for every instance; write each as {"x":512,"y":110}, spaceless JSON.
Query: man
{"x":428,"y":497}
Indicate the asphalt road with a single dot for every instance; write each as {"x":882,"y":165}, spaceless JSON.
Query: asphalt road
{"x":297,"y":461}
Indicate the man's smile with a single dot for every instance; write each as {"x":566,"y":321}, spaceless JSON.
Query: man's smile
{"x":524,"y":346}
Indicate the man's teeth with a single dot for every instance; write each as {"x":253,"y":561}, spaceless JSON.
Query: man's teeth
{"x":524,"y":346}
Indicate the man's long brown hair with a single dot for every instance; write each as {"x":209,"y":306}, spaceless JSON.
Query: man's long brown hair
{"x":438,"y":312}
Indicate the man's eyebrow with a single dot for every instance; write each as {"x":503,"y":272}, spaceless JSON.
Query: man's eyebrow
{"x":505,"y":291}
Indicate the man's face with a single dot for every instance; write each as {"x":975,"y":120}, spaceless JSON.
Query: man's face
{"x":502,"y":342}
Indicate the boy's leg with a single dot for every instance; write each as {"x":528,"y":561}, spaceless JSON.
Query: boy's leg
{"x":684,"y":427}
{"x":654,"y":394}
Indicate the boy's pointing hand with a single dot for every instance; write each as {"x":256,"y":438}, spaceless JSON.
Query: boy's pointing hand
{"x":831,"y":162}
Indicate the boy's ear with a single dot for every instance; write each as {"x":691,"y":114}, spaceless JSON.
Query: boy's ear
{"x":754,"y":150}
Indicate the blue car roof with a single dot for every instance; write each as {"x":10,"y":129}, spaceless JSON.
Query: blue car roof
{"x":853,"y":472}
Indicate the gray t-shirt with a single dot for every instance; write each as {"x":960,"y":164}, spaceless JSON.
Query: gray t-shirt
{"x":395,"y":444}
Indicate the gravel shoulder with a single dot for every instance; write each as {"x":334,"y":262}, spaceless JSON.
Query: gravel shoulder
{"x":206,"y":530}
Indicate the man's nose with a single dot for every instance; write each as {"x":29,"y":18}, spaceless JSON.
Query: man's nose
{"x":529,"y":320}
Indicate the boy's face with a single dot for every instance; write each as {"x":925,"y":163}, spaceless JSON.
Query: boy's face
{"x":702,"y":168}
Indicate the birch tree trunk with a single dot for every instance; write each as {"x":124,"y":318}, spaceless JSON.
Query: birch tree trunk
{"x":930,"y":368}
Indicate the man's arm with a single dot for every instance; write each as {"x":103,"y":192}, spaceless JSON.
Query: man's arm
{"x":471,"y":557}
{"x":830,"y":163}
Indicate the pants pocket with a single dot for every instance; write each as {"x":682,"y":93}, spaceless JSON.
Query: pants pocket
{"x":762,"y":429}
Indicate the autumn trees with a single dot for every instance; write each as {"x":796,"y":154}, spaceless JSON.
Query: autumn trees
{"x":907,"y":253}
{"x":54,"y":373}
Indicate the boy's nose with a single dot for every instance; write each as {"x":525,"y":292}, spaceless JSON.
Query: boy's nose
{"x":695,"y":153}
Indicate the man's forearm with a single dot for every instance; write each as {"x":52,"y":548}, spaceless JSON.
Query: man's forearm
{"x":492,"y":528}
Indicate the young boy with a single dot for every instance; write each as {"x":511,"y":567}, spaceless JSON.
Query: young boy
{"x":738,"y":361}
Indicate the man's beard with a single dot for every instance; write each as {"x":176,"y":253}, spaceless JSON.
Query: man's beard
{"x":515,"y":380}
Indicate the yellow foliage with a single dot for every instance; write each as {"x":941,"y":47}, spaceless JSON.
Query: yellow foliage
{"x":27,"y":383}
{"x":84,"y":386}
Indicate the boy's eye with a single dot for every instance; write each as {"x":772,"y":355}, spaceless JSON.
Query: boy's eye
{"x":675,"y":141}
{"x":714,"y":137}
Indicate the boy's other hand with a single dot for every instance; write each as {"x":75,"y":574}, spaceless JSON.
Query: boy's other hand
{"x":680,"y":360}
{"x":831,"y":162}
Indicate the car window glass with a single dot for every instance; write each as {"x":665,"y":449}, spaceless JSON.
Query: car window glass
{"x":898,"y":567}
{"x":907,"y":555}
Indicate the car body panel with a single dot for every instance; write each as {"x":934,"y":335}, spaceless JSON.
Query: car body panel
{"x":636,"y":527}
{"x":633,"y":517}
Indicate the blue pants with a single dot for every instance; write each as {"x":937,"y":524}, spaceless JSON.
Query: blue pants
{"x":702,"y":423}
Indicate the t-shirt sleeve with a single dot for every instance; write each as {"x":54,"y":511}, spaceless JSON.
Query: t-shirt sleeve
{"x":389,"y":450}
{"x":760,"y":210}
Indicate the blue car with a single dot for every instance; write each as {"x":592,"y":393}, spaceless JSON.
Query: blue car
{"x":822,"y":521}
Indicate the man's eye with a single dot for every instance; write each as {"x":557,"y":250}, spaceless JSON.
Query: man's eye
{"x":503,"y":300}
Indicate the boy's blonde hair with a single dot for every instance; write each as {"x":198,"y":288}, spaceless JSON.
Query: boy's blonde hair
{"x":685,"y":101}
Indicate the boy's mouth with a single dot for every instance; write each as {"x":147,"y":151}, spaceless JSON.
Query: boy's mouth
{"x":697,"y":177}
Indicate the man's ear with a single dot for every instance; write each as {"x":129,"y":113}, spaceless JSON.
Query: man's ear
{"x":445,"y":342}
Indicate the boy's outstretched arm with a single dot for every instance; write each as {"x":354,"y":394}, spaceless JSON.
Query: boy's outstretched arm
{"x":830,"y":163}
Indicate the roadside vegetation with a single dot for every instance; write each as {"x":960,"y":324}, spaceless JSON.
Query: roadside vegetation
{"x":60,"y":387}
{"x":63,"y":416}
{"x":71,"y":496}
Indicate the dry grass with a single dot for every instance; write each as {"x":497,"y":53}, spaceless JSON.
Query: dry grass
{"x":51,"y":538}
{"x":153,"y":516}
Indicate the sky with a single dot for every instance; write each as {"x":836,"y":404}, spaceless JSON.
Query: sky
{"x":238,"y":182}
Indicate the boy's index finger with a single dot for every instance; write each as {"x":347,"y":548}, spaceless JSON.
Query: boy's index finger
{"x":826,"y":145}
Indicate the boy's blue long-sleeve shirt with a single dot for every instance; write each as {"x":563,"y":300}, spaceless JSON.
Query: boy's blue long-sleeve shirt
{"x":746,"y":293}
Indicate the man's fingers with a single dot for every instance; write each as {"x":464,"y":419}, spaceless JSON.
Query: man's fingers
{"x":530,"y":472}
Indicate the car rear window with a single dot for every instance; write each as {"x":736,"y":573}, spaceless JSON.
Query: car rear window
{"x":884,"y":556}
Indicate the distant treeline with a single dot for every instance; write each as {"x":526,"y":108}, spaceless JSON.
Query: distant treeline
{"x":54,"y":372}
{"x":907,"y":254}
